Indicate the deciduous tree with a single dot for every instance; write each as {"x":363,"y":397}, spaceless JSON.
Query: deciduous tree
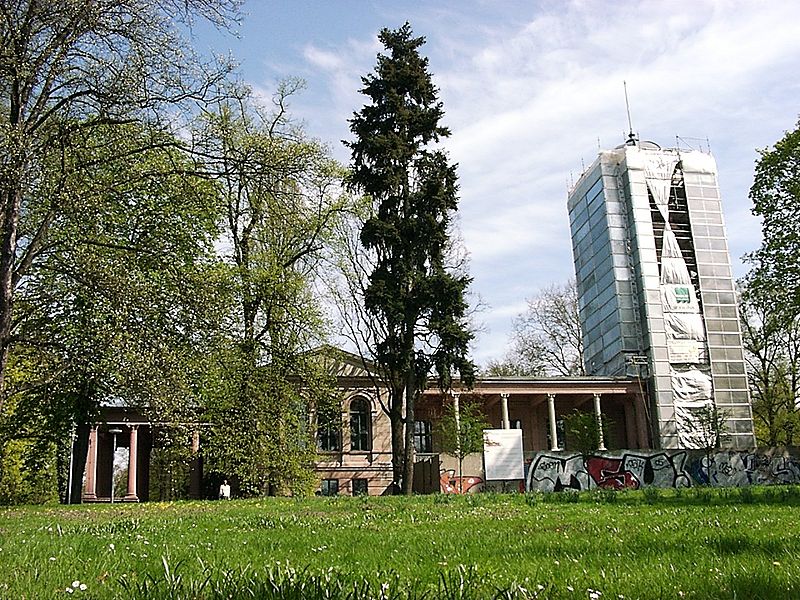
{"x":460,"y":431}
{"x":771,"y":339}
{"x":547,"y":338}
{"x":67,"y":67}
{"x":116,"y":306}
{"x":771,"y":297}
{"x":281,"y":193}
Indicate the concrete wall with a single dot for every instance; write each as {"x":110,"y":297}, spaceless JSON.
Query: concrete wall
{"x":634,"y":469}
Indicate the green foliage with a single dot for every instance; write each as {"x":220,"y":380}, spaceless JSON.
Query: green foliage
{"x":583,"y":431}
{"x":417,"y":300}
{"x":771,"y":298}
{"x":775,"y":195}
{"x":118,"y":307}
{"x":771,"y":339}
{"x":460,"y":433}
{"x":80,"y":84}
{"x":29,"y":472}
{"x":280,"y":193}
{"x":170,"y":463}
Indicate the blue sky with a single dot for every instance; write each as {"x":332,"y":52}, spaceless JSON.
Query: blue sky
{"x":528,"y":89}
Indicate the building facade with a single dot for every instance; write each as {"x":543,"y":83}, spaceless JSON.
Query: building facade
{"x":354,"y":447}
{"x":354,"y":453}
{"x":656,"y":293}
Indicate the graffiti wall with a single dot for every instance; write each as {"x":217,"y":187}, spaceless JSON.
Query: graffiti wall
{"x":556,"y":471}
{"x":450,"y":483}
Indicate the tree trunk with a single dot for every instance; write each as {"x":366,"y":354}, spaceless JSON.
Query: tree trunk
{"x":398,"y":440}
{"x":408,"y":456}
{"x":8,"y":246}
{"x":80,"y":450}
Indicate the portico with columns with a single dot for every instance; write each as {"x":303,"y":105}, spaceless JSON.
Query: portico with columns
{"x":126,"y":427}
{"x":537,"y":406}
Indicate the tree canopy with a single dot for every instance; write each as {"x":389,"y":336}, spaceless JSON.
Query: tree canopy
{"x":770,"y":300}
{"x":775,"y":195}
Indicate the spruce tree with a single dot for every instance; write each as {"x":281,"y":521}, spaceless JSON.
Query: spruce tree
{"x":418,"y":301}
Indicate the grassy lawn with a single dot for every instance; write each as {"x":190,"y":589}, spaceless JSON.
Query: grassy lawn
{"x":697,"y":543}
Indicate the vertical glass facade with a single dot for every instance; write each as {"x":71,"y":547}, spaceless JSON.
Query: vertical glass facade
{"x":655,"y":286}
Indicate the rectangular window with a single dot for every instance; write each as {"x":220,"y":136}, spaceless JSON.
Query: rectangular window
{"x":329,"y":487}
{"x":423,"y":438}
{"x":329,"y":434}
{"x":359,"y":487}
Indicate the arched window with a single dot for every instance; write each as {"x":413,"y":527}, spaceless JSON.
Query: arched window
{"x":359,"y":426}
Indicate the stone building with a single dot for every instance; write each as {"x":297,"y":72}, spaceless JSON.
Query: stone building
{"x":354,"y":449}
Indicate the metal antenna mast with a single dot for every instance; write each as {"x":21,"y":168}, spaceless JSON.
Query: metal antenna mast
{"x":631,"y":137}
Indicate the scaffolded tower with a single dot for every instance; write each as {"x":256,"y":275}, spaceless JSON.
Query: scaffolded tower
{"x":655,"y":290}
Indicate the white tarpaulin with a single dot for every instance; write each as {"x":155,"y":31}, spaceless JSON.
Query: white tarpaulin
{"x":691,"y":385}
{"x":684,"y":326}
{"x":658,"y":170}
{"x":694,"y":427}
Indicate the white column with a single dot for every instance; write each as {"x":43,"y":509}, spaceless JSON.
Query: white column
{"x":504,"y":407}
{"x":551,"y":411}
{"x":91,"y":466}
{"x":132,"y":464}
{"x":599,"y":416}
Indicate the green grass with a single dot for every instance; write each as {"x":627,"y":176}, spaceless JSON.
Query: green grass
{"x":698,"y":543}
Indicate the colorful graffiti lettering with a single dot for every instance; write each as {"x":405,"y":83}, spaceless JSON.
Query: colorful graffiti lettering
{"x":450,"y":484}
{"x":625,"y":471}
{"x":736,"y":469}
{"x":668,"y":469}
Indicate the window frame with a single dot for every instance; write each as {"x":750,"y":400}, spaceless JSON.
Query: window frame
{"x":329,"y":434}
{"x":328,"y":485}
{"x":362,"y":482}
{"x":423,"y":437}
{"x":360,"y":425}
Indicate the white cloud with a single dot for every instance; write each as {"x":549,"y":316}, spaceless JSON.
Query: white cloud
{"x":529,"y":88}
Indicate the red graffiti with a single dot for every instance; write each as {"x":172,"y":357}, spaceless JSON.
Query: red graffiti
{"x":607,"y":473}
{"x":450,"y":484}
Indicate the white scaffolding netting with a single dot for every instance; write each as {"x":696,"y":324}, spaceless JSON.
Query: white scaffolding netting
{"x":683,"y":321}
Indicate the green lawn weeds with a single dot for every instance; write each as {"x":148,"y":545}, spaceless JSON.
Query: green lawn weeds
{"x":698,"y":543}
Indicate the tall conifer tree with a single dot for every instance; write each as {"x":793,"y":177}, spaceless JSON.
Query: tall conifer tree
{"x":418,"y":301}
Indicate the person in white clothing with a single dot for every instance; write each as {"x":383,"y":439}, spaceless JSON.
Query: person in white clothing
{"x":225,"y":490}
